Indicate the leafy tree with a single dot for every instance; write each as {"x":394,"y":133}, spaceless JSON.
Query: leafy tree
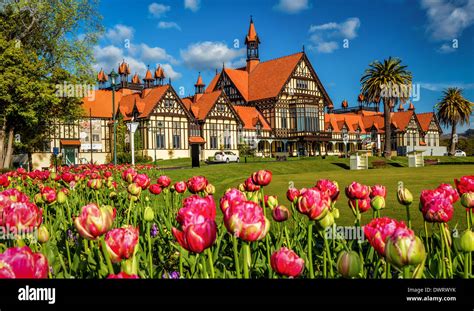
{"x":377,"y":78}
{"x":453,"y":109}
{"x":43,"y":43}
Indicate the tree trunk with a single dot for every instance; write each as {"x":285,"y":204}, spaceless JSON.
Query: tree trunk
{"x":3,"y":131}
{"x":453,"y":144}
{"x":388,"y":130}
{"x":9,"y":154}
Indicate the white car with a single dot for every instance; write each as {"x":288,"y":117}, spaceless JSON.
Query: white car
{"x":226,"y":156}
{"x":459,"y":153}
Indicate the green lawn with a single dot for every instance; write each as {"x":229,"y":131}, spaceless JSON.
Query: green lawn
{"x":305,"y":172}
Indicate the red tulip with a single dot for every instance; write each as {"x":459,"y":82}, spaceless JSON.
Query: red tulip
{"x":15,"y":196}
{"x":196,"y":207}
{"x":142,"y":180}
{"x":292,"y":194}
{"x":286,"y":262}
{"x":94,"y":221}
{"x":262,"y":177}
{"x":330,"y":187}
{"x":197,"y":184}
{"x":280,"y":213}
{"x":155,"y":189}
{"x":246,"y":221}
{"x":465,"y":184}
{"x":439,"y":209}
{"x":4,"y":181}
{"x":231,"y":196}
{"x":378,"y":231}
{"x":357,"y":191}
{"x":107,"y":174}
{"x":250,"y":186}
{"x":378,"y":190}
{"x":121,"y":242}
{"x":129,"y":175}
{"x":314,"y":203}
{"x":164,"y":181}
{"x":180,"y":187}
{"x":22,"y":263}
{"x":122,"y":275}
{"x":364,"y":204}
{"x":197,"y":236}
{"x":24,"y":217}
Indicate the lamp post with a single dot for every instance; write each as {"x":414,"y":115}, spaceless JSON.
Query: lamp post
{"x":113,"y":76}
{"x":345,"y":138}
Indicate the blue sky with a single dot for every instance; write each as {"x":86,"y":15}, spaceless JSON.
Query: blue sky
{"x":434,"y":38}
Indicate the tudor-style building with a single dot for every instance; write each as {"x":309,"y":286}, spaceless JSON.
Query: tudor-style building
{"x":286,"y":91}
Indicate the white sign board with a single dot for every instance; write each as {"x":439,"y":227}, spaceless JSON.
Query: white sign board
{"x":132,"y":126}
{"x":345,"y":138}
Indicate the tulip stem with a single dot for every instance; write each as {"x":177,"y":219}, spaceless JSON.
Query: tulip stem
{"x":211,"y":262}
{"x":247,"y":257}
{"x":443,"y":262}
{"x":204,"y":268}
{"x":408,"y":215}
{"x":288,"y":243}
{"x":68,"y":255}
{"x":426,"y":236}
{"x":150,"y":258}
{"x":468,"y":218}
{"x":267,"y":242}
{"x":129,"y":209}
{"x":406,"y":272}
{"x":466,"y":265}
{"x":448,"y":251}
{"x":310,"y":250}
{"x":106,"y":256}
{"x":68,"y":212}
{"x":328,"y":253}
{"x":236,"y":256}
{"x":181,"y":263}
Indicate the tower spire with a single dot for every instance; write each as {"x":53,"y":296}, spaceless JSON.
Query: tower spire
{"x":252,"y":41}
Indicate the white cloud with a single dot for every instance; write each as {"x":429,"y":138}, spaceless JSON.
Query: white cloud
{"x":448,"y":19}
{"x":119,"y":33}
{"x":110,"y":56}
{"x":157,"y":9}
{"x":324,"y":37}
{"x":168,"y":25}
{"x":209,"y":55}
{"x":437,"y":87}
{"x":193,"y":5}
{"x":446,"y":49}
{"x":292,"y":6}
{"x":154,"y":54}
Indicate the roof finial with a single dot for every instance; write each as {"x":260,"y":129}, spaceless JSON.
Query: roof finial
{"x":251,"y":18}
{"x":169,"y":81}
{"x":223,"y":65}
{"x":303,"y":48}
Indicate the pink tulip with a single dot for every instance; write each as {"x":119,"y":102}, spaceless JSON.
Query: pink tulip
{"x":180,"y":187}
{"x":197,"y":184}
{"x":231,"y":196}
{"x":122,"y":275}
{"x":262,"y":177}
{"x":129,"y":175}
{"x":357,"y":191}
{"x":439,"y":209}
{"x":94,"y":184}
{"x":24,"y":217}
{"x":330,"y":187}
{"x":465,"y":184}
{"x":22,"y":263}
{"x":246,"y":221}
{"x":164,"y":181}
{"x":378,"y":231}
{"x":121,"y":242}
{"x":286,"y":262}
{"x":155,"y":189}
{"x":314,"y":203}
{"x":280,"y":213}
{"x":94,"y":221}
{"x":142,"y":180}
{"x":197,"y":236}
{"x":378,"y":190}
{"x":292,"y":194}
{"x":15,"y":196}
{"x":449,"y":192}
{"x":196,"y":207}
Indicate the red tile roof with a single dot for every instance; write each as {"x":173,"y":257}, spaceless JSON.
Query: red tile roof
{"x":250,"y":116}
{"x":101,"y":76}
{"x":199,"y":81}
{"x":401,"y":119}
{"x":252,"y":34}
{"x":425,"y":119}
{"x":101,"y":106}
{"x":144,"y":102}
{"x":148,"y":75}
{"x":136,"y":79}
{"x":159,"y":73}
{"x":240,"y":78}
{"x":70,"y":142}
{"x":123,"y":68}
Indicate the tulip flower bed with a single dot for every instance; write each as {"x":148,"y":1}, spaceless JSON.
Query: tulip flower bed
{"x":122,"y":222}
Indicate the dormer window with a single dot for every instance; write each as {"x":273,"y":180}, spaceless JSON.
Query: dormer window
{"x":259,"y":129}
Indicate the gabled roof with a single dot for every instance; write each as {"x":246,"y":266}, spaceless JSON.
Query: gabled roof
{"x":250,"y":116}
{"x":401,"y":119}
{"x":352,"y":122}
{"x":240,"y":78}
{"x":202,"y":105}
{"x":145,"y":102}
{"x":268,"y":78}
{"x":425,"y":120}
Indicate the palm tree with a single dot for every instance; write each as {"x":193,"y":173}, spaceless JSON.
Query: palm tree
{"x":453,"y":109}
{"x":378,"y":81}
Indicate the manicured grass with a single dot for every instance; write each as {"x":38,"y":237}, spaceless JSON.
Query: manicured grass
{"x":305,"y":172}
